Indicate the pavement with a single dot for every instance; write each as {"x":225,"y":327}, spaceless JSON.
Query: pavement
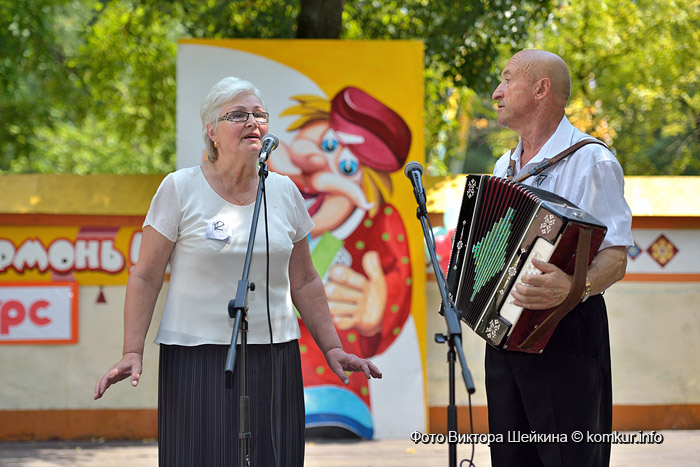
{"x":668,"y":448}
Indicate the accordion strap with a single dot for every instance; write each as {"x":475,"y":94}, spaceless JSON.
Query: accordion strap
{"x":574,"y":297}
{"x":549,"y":162}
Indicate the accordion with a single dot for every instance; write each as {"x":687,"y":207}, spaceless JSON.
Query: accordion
{"x":502,"y":225}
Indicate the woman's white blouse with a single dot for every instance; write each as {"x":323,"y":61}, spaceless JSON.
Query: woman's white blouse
{"x":211,"y":238}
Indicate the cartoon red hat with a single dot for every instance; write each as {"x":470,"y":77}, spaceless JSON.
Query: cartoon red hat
{"x":377,"y":135}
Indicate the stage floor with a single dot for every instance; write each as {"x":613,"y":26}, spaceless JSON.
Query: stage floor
{"x":679,"y":449}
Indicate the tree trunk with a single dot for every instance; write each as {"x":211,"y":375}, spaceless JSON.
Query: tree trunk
{"x":320,"y":19}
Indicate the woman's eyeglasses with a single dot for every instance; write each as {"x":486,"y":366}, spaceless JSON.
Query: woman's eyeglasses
{"x":239,"y":116}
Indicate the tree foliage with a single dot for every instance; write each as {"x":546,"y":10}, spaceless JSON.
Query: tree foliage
{"x":635,"y":69}
{"x":39,"y":86}
{"x":463,"y":40}
{"x":89,"y":86}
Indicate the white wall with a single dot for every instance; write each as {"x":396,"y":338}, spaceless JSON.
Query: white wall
{"x":654,"y":337}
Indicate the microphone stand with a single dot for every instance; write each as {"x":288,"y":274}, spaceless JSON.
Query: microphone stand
{"x":453,"y":338}
{"x":238,"y":309}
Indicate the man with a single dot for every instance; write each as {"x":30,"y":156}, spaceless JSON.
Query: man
{"x":568,"y":387}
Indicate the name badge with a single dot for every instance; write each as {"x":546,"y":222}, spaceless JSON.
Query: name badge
{"x":219,"y":230}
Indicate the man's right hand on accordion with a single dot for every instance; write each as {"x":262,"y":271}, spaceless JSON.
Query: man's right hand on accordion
{"x":550,"y":288}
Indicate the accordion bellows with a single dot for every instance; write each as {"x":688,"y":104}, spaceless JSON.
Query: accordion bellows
{"x":502,"y":225}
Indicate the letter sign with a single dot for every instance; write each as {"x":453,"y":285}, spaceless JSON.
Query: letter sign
{"x":39,"y":313}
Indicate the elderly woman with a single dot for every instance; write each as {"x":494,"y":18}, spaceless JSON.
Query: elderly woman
{"x":199,"y":222}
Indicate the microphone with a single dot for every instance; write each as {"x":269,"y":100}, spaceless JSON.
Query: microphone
{"x":269,"y":143}
{"x":414,"y":172}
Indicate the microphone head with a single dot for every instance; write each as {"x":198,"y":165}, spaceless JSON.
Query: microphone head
{"x":270,"y":140}
{"x":411,"y":166}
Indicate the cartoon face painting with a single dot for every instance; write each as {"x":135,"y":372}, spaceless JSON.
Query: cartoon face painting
{"x":328,"y":175}
{"x":341,"y":157}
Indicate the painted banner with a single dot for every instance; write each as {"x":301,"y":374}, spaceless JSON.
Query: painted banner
{"x":38,"y":313}
{"x":349,"y":116}
{"x":89,"y":255}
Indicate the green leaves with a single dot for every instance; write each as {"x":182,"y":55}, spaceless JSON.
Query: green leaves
{"x":463,"y":42}
{"x":636,"y":70}
{"x":88,"y":86}
{"x":461,"y":37}
{"x":37,"y":81}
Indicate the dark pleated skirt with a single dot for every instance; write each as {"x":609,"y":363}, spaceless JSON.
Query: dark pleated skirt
{"x":198,"y":416}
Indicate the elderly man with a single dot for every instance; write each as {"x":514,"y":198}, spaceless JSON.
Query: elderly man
{"x":568,"y":387}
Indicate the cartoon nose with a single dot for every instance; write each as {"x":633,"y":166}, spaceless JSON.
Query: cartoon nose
{"x":310,"y":163}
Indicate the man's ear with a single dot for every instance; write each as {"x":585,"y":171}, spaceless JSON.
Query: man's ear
{"x":543,"y":87}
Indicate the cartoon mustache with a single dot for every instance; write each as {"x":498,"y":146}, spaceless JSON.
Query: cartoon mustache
{"x":334,"y":184}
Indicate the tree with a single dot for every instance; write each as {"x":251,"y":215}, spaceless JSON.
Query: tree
{"x":320,"y":19}
{"x":89,"y":86}
{"x":98,"y":88}
{"x":463,"y":40}
{"x":39,"y":85}
{"x":635,"y":67}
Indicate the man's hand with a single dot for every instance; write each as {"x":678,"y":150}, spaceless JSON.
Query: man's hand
{"x":549,"y":289}
{"x":542,"y":291}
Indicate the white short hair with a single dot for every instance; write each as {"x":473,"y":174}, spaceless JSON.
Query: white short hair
{"x":221,"y":93}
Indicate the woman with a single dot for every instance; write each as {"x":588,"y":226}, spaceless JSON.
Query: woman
{"x":199,"y":222}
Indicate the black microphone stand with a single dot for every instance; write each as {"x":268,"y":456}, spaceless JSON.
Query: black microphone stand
{"x":453,"y":338}
{"x":238,"y":309}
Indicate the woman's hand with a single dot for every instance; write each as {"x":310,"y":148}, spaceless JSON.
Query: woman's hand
{"x":339,"y":361}
{"x":131,"y":364}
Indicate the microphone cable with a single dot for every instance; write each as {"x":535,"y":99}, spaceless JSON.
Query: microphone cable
{"x":269,"y":323}
{"x":470,"y":461}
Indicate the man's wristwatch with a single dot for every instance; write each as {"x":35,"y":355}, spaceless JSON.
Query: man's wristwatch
{"x":587,"y":291}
